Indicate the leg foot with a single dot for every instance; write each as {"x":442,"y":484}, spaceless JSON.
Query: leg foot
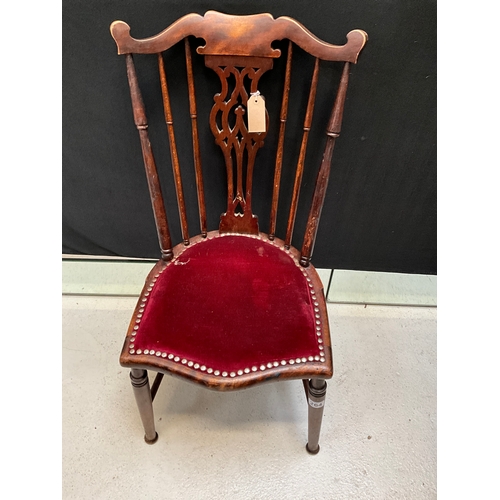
{"x":316,"y":402}
{"x":142,"y":393}
{"x":312,"y":452}
{"x":151,"y":441}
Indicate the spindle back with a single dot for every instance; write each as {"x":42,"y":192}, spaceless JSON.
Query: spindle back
{"x":238,"y":49}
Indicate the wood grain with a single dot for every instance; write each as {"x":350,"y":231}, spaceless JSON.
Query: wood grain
{"x":332,"y":132}
{"x":302,"y":155}
{"x":181,"y":204}
{"x":235,"y":140}
{"x":196,"y":144}
{"x":239,"y":35}
{"x":281,"y":142}
{"x":149,"y":162}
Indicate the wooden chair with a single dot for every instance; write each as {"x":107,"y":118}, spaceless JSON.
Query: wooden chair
{"x":234,"y":307}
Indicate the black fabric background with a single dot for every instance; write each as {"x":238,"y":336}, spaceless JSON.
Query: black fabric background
{"x":380,"y":211}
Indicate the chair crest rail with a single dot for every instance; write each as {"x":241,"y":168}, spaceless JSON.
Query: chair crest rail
{"x":238,"y":36}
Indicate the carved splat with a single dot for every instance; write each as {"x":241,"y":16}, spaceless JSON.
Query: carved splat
{"x":229,"y":126}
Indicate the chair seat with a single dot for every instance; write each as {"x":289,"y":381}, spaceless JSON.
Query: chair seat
{"x":231,"y":308}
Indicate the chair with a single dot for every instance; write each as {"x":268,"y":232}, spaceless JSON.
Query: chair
{"x":234,"y":307}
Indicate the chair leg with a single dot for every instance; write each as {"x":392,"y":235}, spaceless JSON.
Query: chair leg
{"x":142,"y":393}
{"x":316,"y":401}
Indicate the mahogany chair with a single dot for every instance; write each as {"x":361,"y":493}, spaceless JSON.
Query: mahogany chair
{"x":189,"y":322}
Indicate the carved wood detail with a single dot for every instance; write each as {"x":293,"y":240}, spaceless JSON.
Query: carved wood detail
{"x":239,"y":35}
{"x":228,"y":124}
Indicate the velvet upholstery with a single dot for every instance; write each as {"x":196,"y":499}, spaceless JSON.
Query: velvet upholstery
{"x":229,"y":304}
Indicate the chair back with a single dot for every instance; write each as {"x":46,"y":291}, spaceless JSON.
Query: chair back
{"x":239,"y":50}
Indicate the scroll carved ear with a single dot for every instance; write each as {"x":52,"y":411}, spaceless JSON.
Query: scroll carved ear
{"x":249,"y":36}
{"x":120,"y":30}
{"x":286,"y":27}
{"x":183,"y":27}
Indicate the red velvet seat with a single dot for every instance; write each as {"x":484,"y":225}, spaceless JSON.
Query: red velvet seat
{"x":231,"y":306}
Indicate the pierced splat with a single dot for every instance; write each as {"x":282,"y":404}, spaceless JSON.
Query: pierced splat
{"x":229,"y":126}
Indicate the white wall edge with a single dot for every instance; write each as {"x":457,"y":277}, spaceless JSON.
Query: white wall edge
{"x":367,"y":287}
{"x":125,"y":277}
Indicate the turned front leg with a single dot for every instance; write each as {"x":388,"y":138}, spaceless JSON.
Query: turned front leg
{"x":142,"y":393}
{"x":316,"y":401}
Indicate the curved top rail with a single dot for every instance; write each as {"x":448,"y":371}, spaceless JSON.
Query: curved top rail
{"x":238,"y":36}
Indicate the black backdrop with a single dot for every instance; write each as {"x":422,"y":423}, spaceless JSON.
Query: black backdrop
{"x":380,"y":211}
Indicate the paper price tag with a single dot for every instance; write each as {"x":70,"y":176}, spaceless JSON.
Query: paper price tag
{"x":256,"y":113}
